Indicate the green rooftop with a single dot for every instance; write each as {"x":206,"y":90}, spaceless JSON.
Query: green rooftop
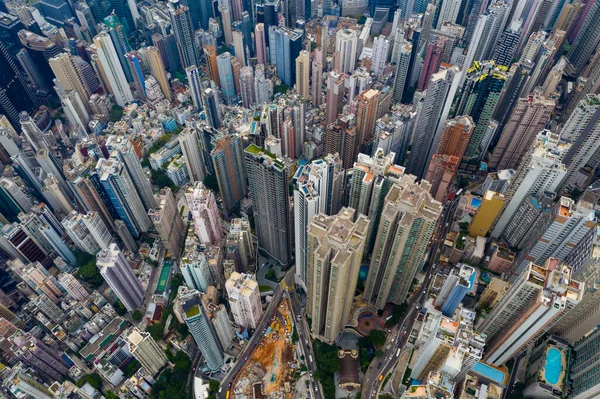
{"x":256,"y":150}
{"x":193,"y":311}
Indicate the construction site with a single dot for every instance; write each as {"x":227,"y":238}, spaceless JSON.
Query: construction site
{"x":271,"y":369}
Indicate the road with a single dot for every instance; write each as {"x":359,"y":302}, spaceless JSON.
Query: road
{"x":305,"y":343}
{"x":400,"y":334}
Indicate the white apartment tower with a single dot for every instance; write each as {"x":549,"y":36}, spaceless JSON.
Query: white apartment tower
{"x":346,"y":44}
{"x":118,"y":274}
{"x":205,"y":213}
{"x":244,"y":300}
{"x":190,"y":147}
{"x":113,"y":70}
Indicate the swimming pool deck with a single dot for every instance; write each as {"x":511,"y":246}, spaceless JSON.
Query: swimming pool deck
{"x":554,"y":367}
{"x":495,"y":374}
{"x":164,"y":278}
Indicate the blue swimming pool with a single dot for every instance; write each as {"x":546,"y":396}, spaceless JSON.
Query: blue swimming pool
{"x":553,"y":367}
{"x":489,"y":372}
{"x":475,"y":202}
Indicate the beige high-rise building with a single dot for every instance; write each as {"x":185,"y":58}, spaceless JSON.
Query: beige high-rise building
{"x":69,"y":77}
{"x":225,"y":11}
{"x":167,"y":221}
{"x":237,"y":38}
{"x":146,"y":351}
{"x":157,"y":69}
{"x":210,"y":54}
{"x":334,"y":251}
{"x":302,"y":73}
{"x":406,"y":225}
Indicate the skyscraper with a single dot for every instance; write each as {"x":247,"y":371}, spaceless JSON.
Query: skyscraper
{"x":157,"y":69}
{"x":334,"y":252}
{"x":335,"y":95}
{"x":380,"y":52}
{"x":226,"y":76}
{"x":585,"y":367}
{"x":403,"y":66}
{"x":123,"y":196}
{"x":184,"y":33}
{"x":123,"y":150}
{"x":268,"y":181}
{"x":203,"y":205}
{"x":201,"y":328}
{"x":118,"y":274}
{"x":303,"y":74}
{"x":228,"y":161}
{"x":113,"y":70}
{"x":317,"y":83}
{"x":346,"y":44}
{"x":431,"y":63}
{"x":284,"y":47}
{"x":480,"y":94}
{"x":508,"y":44}
{"x":541,"y":171}
{"x":225,"y":11}
{"x":239,"y":47}
{"x":366,"y":116}
{"x":529,"y":116}
{"x":261,"y":46}
{"x":167,"y":221}
{"x":69,"y":76}
{"x":318,"y":190}
{"x":193,"y":77}
{"x":401,"y":241}
{"x":15,"y":94}
{"x":547,"y":293}
{"x":448,"y":12}
{"x":247,"y":87}
{"x":431,"y":119}
{"x":244,"y":300}
{"x":587,"y":36}
{"x":190,"y":147}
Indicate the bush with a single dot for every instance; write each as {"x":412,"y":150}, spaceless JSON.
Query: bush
{"x":131,"y":368}
{"x":271,"y":275}
{"x":93,"y":379}
{"x":397,"y":313}
{"x":327,"y":364}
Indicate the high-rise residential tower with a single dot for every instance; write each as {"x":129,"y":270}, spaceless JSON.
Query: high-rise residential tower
{"x":244,"y":300}
{"x":119,"y":275}
{"x":335,"y":249}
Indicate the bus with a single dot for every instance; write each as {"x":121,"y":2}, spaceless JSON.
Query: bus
{"x":398,"y":352}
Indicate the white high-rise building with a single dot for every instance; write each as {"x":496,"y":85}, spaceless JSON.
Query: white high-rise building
{"x":196,"y":270}
{"x":346,"y":44}
{"x":112,"y":69}
{"x":237,"y":38}
{"x":119,"y":275}
{"x":190,"y":147}
{"x":448,"y":12}
{"x":207,"y":220}
{"x":541,"y":171}
{"x":571,"y":225}
{"x":319,"y":190}
{"x":193,"y":77}
{"x":88,"y":232}
{"x":557,"y":296}
{"x":381,"y":47}
{"x":583,"y":130}
{"x":244,"y":300}
{"x":72,"y":286}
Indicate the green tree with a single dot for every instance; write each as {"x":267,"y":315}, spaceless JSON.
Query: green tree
{"x":156,"y":330}
{"x":137,"y":315}
{"x":377,"y":338}
{"x":213,"y":386}
{"x":397,"y":313}
{"x":110,"y":395}
{"x":90,"y":274}
{"x":120,"y":308}
{"x":131,"y":368}
{"x":116,"y":112}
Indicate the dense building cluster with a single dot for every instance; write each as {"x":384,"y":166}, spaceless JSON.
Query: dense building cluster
{"x":182,"y":179}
